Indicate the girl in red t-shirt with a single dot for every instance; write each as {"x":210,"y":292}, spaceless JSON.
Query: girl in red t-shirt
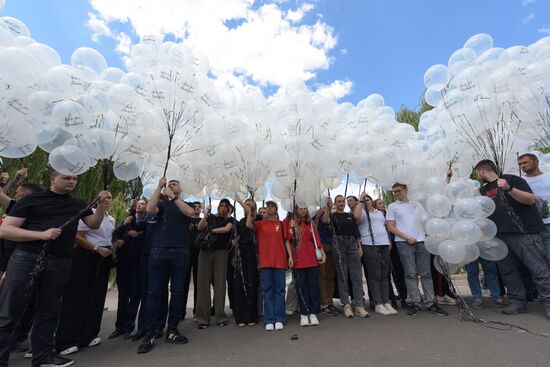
{"x":273,"y":263}
{"x":302,"y":237}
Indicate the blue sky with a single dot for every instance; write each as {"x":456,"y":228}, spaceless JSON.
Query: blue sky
{"x":379,"y":46}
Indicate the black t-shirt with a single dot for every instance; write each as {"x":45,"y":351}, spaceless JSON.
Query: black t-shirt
{"x":343,"y":224}
{"x":510,"y":215}
{"x":246,"y":235}
{"x":222,"y":240}
{"x":173,"y":230}
{"x":132,"y":245}
{"x":193,"y":232}
{"x":6,"y":246}
{"x":151,"y":226}
{"x":45,"y":210}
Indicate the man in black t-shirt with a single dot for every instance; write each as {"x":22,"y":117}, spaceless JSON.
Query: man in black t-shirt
{"x":32,"y":222}
{"x":129,"y":236}
{"x":8,"y":247}
{"x":519,"y":226}
{"x":168,"y":261}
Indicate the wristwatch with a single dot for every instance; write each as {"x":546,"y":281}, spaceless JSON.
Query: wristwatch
{"x":96,"y":247}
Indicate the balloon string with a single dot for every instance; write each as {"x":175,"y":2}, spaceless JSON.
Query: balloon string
{"x":466,"y":313}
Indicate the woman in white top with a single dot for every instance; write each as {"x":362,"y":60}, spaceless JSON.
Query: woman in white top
{"x":376,"y":249}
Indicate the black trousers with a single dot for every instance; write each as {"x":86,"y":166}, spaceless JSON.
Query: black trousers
{"x":245,"y":282}
{"x":307,"y":289}
{"x":46,"y":296}
{"x":129,"y":293}
{"x":83,"y":300}
{"x":192,"y":270}
{"x":398,"y":274}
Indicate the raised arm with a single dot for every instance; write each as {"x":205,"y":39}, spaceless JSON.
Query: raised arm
{"x":326,"y":214}
{"x":152,"y":204}
{"x":4,"y":200}
{"x":94,"y":221}
{"x":204,"y":221}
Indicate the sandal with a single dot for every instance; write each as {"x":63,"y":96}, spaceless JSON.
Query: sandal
{"x":203,"y":326}
{"x":251,"y":324}
{"x":222,"y":323}
{"x":242,"y":324}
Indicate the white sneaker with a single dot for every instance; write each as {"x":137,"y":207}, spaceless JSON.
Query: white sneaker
{"x":313,"y":321}
{"x":68,"y":351}
{"x":304,"y":320}
{"x":279,"y":326}
{"x":445,"y":300}
{"x":390,"y":309}
{"x":28,"y":354}
{"x":289,"y":312}
{"x":269,"y":327}
{"x":382,"y":310}
{"x":95,"y":342}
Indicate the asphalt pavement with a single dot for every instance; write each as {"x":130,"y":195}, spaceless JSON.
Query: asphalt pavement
{"x":404,"y":341}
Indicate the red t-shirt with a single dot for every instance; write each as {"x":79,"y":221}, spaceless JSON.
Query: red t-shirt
{"x":304,"y":255}
{"x":271,"y":248}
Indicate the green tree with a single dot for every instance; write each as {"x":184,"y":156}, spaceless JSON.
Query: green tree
{"x":97,"y":178}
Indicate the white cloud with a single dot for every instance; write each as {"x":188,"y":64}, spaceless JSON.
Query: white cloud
{"x":528,"y":18}
{"x":2,"y":4}
{"x":267,"y":44}
{"x":528,"y":2}
{"x":336,"y":90}
{"x":298,"y":14}
{"x":545,"y":30}
{"x":99,"y":26}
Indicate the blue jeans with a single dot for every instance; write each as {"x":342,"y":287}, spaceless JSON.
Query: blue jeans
{"x":166,"y":264}
{"x":273,"y":290}
{"x":491,"y":278}
{"x":416,"y":261}
{"x":546,"y":242}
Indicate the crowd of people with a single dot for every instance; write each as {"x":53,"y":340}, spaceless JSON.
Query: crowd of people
{"x":57,"y":253}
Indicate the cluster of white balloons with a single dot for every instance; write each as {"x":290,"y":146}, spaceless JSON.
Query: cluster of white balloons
{"x":490,"y":102}
{"x":169,"y":115}
{"x":457,"y":227}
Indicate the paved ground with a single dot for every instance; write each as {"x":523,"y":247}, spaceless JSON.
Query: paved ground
{"x":424,"y":340}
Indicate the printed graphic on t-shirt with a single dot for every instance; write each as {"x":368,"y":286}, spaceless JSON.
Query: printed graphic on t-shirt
{"x":492,"y":192}
{"x":542,"y":206}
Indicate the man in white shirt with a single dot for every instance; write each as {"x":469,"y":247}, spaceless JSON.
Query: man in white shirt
{"x":403,"y":220}
{"x":540,"y":184}
{"x":84,"y":297}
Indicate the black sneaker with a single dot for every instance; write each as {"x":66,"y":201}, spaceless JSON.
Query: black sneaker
{"x":174,"y":337}
{"x":514,"y":309}
{"x":21,"y":346}
{"x":56,"y":360}
{"x":413,"y":310}
{"x":115,"y":334}
{"x":147,"y":344}
{"x":334,"y":310}
{"x":434,"y":308}
{"x":138,"y":335}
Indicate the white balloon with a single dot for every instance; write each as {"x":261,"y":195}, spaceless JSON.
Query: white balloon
{"x":69,"y":160}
